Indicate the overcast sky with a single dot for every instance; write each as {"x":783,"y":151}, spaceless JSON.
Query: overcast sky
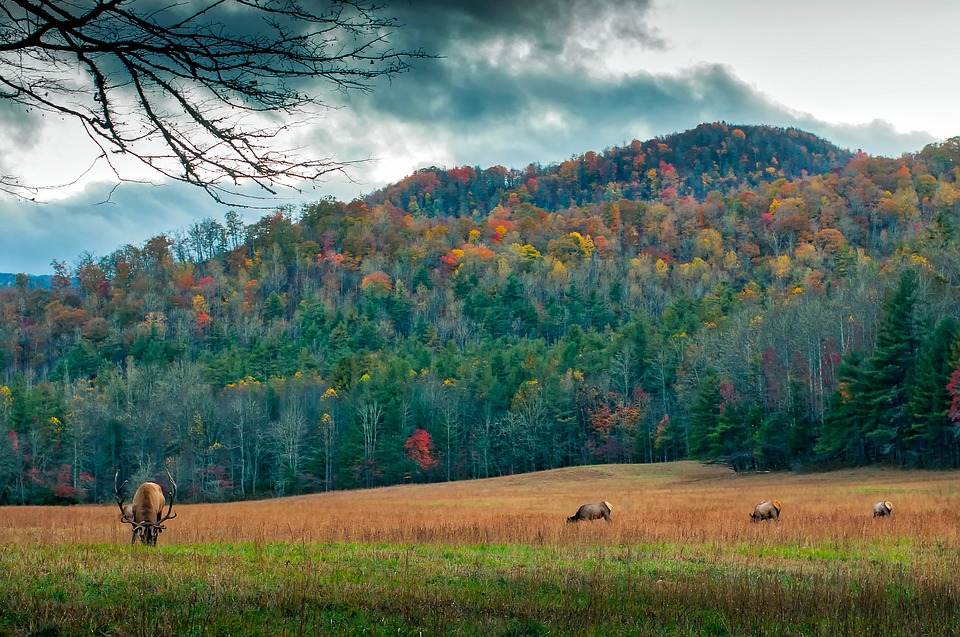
{"x":536,"y":82}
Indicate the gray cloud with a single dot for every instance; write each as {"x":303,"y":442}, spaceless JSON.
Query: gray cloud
{"x":877,"y":138}
{"x":514,"y":118}
{"x":518,"y":83}
{"x":18,"y":125}
{"x":448,"y":28}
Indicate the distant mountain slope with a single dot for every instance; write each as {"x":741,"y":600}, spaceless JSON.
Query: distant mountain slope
{"x":713,"y":156}
{"x":8,"y":280}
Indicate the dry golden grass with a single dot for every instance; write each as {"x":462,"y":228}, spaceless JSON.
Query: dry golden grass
{"x":674,"y":504}
{"x":496,"y":556}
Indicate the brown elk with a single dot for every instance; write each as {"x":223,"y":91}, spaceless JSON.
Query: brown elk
{"x":593,"y":512}
{"x":766,"y":510}
{"x":882,"y":509}
{"x":145,"y":515}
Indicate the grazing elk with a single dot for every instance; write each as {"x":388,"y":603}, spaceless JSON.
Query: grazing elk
{"x":766,"y":510}
{"x":882,"y":509}
{"x":592,"y":512}
{"x":145,"y":514}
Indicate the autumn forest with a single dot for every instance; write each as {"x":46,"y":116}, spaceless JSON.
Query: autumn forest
{"x":752,"y":296}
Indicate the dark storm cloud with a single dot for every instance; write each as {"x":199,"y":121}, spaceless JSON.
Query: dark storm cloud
{"x":447,"y":28}
{"x":493,"y":55}
{"x":517,"y":83}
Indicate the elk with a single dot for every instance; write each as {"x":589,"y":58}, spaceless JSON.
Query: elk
{"x":145,"y":514}
{"x":882,"y":509}
{"x":593,"y":512}
{"x":766,"y":510}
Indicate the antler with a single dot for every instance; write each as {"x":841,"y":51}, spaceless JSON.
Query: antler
{"x":116,"y":496}
{"x":173,"y":496}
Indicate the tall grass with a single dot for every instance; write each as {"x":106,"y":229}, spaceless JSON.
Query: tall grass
{"x":496,"y":557}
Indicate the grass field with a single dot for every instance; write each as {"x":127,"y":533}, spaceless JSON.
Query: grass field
{"x":495,"y":557}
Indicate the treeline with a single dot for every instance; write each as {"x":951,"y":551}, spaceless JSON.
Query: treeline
{"x":778,"y":320}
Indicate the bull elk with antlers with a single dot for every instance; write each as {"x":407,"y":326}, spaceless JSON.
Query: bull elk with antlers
{"x":145,"y":514}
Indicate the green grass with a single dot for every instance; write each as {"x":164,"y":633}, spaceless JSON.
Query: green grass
{"x":378,"y":589}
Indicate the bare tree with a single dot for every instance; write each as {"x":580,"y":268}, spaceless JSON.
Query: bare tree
{"x":196,"y":90}
{"x":246,"y":405}
{"x":370,"y":413}
{"x":328,"y":440}
{"x":288,"y":435}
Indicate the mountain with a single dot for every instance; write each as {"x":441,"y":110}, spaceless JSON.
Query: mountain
{"x":749,"y":295}
{"x":8,"y":280}
{"x":711,"y":157}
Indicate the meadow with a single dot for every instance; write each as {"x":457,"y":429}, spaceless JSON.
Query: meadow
{"x":496,"y":557}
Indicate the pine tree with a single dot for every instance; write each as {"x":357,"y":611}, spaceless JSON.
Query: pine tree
{"x":887,"y":377}
{"x":929,"y":437}
{"x":273,"y":307}
{"x":772,"y":440}
{"x":704,"y":418}
{"x":842,"y":437}
{"x":730,"y":441}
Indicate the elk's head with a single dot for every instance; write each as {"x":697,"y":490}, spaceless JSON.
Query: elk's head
{"x":145,"y":514}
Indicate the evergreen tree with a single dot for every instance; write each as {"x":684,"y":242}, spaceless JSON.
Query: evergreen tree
{"x":730,"y":440}
{"x":772,"y":439}
{"x":887,"y":377}
{"x":273,"y":307}
{"x":929,"y":438}
{"x":842,"y":437}
{"x":704,"y":418}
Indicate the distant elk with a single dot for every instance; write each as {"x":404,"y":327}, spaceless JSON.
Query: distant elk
{"x":766,"y":510}
{"x":592,"y":512}
{"x":882,"y":509}
{"x":145,"y":514}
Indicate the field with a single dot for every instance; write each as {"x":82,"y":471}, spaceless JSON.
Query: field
{"x":495,"y":557}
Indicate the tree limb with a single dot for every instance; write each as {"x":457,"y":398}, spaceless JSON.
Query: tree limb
{"x":193,"y":89}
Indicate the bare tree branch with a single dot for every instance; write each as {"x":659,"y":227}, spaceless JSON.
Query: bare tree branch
{"x":197,"y":90}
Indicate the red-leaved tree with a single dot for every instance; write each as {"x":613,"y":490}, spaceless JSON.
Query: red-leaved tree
{"x":419,"y":448}
{"x":953,"y":388}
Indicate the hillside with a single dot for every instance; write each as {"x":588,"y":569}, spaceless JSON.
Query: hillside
{"x":38,"y":281}
{"x":711,"y":157}
{"x":785,"y":318}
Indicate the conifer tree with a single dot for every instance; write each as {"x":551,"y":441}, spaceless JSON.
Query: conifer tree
{"x":842,"y":437}
{"x":929,"y":437}
{"x":887,"y":377}
{"x":730,"y":441}
{"x":704,"y":417}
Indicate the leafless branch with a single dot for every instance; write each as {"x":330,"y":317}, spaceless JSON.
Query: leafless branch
{"x":197,"y":90}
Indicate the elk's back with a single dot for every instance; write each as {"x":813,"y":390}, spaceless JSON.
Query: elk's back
{"x":148,"y":503}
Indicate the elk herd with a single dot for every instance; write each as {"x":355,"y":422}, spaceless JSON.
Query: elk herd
{"x":146,"y":517}
{"x":766,"y":510}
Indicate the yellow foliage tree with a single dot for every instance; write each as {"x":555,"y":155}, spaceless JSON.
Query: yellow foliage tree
{"x":708,"y":244}
{"x":559,"y":272}
{"x":781,"y":267}
{"x":661,"y":268}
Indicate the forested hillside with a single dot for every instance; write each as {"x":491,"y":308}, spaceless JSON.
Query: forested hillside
{"x":750,"y":295}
